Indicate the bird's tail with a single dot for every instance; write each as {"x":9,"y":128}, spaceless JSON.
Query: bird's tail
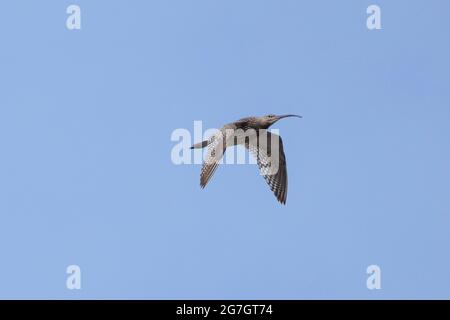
{"x":200,"y":145}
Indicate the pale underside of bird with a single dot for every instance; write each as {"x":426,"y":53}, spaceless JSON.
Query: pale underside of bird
{"x":266,"y":147}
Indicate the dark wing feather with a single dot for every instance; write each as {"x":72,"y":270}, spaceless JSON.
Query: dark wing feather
{"x":271,"y":162}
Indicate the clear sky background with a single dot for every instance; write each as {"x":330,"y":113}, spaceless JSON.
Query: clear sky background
{"x":86,"y":176}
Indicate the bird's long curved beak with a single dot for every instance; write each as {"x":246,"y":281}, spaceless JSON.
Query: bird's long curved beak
{"x":289,"y":115}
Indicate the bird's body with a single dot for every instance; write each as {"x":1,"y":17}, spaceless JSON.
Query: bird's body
{"x":265,"y":146}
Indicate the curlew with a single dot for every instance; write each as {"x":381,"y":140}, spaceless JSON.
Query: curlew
{"x":265,"y":146}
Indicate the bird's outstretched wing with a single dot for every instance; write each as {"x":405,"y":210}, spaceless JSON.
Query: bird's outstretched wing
{"x":269,"y":154}
{"x":216,"y":149}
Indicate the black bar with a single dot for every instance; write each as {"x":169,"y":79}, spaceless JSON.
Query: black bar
{"x":229,"y":309}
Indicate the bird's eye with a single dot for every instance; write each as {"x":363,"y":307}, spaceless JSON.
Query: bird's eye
{"x":271,"y":115}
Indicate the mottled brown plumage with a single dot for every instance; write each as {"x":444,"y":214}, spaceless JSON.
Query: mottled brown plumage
{"x":265,"y":146}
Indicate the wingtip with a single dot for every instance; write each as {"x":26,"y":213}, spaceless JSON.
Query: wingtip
{"x":282,"y":200}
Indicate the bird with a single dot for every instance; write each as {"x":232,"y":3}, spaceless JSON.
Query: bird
{"x":265,"y":146}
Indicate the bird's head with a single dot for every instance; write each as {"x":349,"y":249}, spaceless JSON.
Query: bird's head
{"x":270,"y":119}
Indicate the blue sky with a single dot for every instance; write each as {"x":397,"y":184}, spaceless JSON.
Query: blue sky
{"x":86,"y":176}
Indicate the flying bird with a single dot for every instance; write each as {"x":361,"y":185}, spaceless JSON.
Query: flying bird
{"x":265,"y":146}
